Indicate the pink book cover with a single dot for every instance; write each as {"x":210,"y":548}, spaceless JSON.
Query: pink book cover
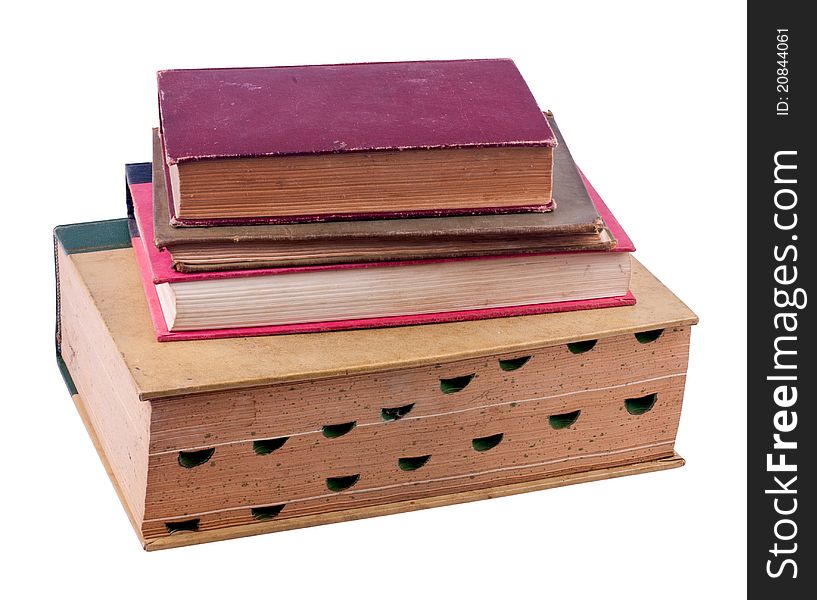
{"x":155,"y":267}
{"x":367,"y":107}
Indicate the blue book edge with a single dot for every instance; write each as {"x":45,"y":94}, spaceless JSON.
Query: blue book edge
{"x":94,"y":236}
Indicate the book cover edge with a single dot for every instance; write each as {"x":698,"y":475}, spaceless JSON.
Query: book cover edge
{"x":549,"y":141}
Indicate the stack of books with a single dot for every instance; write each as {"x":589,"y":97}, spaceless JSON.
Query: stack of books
{"x":351,"y":290}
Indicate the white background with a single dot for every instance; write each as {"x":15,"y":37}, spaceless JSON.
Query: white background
{"x":651,"y":100}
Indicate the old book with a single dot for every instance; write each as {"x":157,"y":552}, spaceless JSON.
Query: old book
{"x":289,"y":144}
{"x":359,"y":295}
{"x":575,"y":225}
{"x":343,"y":425}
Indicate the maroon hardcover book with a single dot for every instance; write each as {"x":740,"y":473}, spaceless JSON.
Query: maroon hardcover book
{"x":252,"y":112}
{"x":377,"y":109}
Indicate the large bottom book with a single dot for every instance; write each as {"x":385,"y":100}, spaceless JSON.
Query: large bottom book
{"x":212,"y":439}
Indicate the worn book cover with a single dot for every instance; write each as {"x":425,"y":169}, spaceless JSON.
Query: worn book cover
{"x":273,"y":111}
{"x":351,"y":424}
{"x":218,"y":123}
{"x":574,"y":225}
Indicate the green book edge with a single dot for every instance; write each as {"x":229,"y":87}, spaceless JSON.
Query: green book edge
{"x":78,"y":238}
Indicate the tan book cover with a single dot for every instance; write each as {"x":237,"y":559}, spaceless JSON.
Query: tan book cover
{"x":297,"y":430}
{"x":574,"y":225}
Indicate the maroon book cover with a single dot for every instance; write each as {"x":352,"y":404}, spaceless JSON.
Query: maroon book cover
{"x":276,"y":111}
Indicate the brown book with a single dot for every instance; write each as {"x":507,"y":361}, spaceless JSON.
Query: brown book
{"x":344,"y":425}
{"x":375,"y":140}
{"x":574,"y":225}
